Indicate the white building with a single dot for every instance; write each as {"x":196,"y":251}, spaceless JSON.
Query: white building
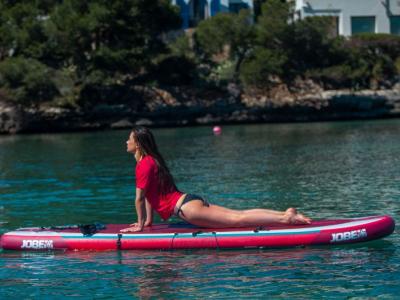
{"x":355,"y":16}
{"x":193,"y":11}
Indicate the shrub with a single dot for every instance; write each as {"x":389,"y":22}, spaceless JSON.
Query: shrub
{"x":376,"y":44}
{"x":258,"y":69}
{"x":309,"y":45}
{"x":336,"y":77}
{"x":374,"y":56}
{"x":224,"y":72}
{"x":272,"y":22}
{"x":174,"y":70}
{"x":227,"y":36}
{"x":27,"y":80}
{"x":397,"y":65}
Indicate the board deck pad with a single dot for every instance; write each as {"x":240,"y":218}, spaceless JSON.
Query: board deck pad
{"x":185,"y":236}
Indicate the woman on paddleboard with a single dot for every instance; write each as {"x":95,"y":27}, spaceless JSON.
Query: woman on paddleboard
{"x":156,"y":190}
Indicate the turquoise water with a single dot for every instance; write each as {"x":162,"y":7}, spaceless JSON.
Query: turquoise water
{"x":327,"y":170}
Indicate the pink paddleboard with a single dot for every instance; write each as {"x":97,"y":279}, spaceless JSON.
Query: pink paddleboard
{"x":185,"y":236}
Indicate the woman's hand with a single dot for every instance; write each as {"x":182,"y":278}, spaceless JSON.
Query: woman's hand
{"x":146,"y":224}
{"x":135,"y":227}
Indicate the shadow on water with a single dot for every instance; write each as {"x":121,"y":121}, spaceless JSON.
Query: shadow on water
{"x":186,"y":273}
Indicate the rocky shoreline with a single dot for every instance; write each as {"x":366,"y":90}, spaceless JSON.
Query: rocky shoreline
{"x":157,"y":107}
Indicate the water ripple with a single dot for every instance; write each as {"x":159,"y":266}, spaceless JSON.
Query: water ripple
{"x":327,"y":170}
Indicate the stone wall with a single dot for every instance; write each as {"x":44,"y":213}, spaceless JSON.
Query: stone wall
{"x":187,"y":106}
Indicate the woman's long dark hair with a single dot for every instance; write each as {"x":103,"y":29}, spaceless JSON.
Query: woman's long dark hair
{"x":148,"y":146}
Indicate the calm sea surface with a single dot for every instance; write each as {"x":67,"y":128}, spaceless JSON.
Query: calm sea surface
{"x":327,"y":170}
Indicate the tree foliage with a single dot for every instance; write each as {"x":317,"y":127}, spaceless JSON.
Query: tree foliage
{"x":117,"y":38}
{"x":259,"y":69}
{"x":94,"y":50}
{"x":272,"y":23}
{"x":102,"y":42}
{"x":28,"y":80}
{"x":308,"y":49}
{"x":230,"y":35}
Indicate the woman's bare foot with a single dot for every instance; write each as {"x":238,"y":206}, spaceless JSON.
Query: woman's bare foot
{"x":303,"y":218}
{"x":293,"y":217}
{"x":291,"y":210}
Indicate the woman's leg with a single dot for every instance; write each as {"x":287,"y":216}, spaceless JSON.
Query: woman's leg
{"x":216,"y":216}
{"x":262,"y":210}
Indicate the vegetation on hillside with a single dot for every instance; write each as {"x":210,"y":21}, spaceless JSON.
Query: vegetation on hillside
{"x":80,"y":53}
{"x":80,"y":50}
{"x":278,"y":50}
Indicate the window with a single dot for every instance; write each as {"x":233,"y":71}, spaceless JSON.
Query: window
{"x":362,"y":25}
{"x":395,"y":25}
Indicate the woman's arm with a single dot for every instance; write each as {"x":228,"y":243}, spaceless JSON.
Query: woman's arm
{"x":140,"y":211}
{"x":149,"y":214}
{"x":140,"y":207}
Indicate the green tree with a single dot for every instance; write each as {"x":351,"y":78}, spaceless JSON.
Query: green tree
{"x":231,"y":33}
{"x":28,"y":29}
{"x":27,"y":80}
{"x":257,"y":7}
{"x":269,"y":57}
{"x":178,"y":66}
{"x":259,"y":69}
{"x":372,"y":58}
{"x":117,"y":38}
{"x":94,"y":42}
{"x":309,"y":45}
{"x":272,"y":23}
{"x":5,"y":33}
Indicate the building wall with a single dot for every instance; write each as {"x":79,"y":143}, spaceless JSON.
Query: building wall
{"x":382,"y":10}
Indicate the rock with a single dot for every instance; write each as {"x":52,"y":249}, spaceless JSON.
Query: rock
{"x":209,"y":119}
{"x":122,"y":124}
{"x":239,"y":116}
{"x":144,"y":122}
{"x":396,"y":87}
{"x":11,"y":118}
{"x":178,"y":106}
{"x":234,"y":90}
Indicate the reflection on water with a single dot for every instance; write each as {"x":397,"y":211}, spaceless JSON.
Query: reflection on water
{"x":183,"y":274}
{"x":325,"y":169}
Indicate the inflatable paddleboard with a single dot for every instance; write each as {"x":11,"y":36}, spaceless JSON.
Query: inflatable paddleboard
{"x":185,"y":236}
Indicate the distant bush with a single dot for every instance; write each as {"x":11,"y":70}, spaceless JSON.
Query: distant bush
{"x":27,"y":80}
{"x":376,"y":44}
{"x":397,"y":65}
{"x":182,"y":46}
{"x":335,"y":77}
{"x":100,"y":43}
{"x":83,"y":53}
{"x":289,"y":50}
{"x":174,"y":70}
{"x":97,"y":87}
{"x":272,"y":23}
{"x":224,"y":72}
{"x":226,"y":37}
{"x":368,"y":61}
{"x":310,"y":44}
{"x":258,"y":69}
{"x":377,"y":54}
